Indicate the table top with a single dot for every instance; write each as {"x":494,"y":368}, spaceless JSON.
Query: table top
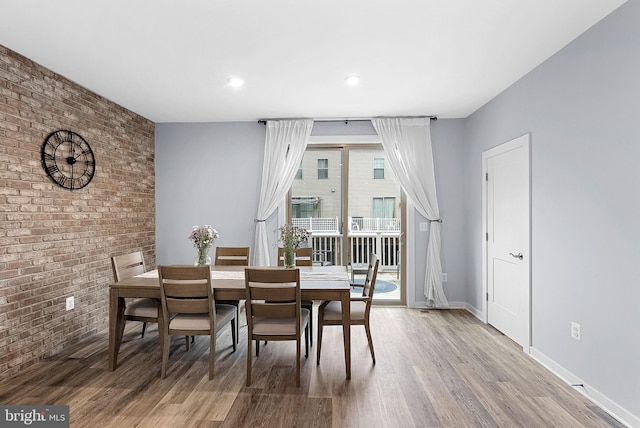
{"x":232,"y":277}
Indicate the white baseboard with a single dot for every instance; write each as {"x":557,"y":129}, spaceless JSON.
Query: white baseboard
{"x":622,"y":415}
{"x":422,"y":304}
{"x":454,"y":305}
{"x":475,"y":312}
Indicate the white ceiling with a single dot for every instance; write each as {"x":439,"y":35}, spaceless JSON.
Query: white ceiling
{"x":169,"y":60}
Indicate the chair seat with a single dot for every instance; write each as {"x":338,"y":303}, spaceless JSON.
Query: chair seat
{"x":333,"y":310}
{"x":146,"y":308}
{"x":201,"y":321}
{"x":224,"y":312}
{"x":279,"y":326}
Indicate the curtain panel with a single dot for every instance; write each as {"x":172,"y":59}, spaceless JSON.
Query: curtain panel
{"x":285,"y":143}
{"x":407,"y":146}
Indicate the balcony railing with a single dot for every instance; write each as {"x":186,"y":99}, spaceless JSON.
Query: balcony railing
{"x":366,"y":235}
{"x":362,"y":224}
{"x":317,"y":225}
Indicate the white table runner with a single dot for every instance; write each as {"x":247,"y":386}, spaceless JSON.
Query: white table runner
{"x":239,"y":275}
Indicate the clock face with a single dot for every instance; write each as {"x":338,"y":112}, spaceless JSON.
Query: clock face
{"x":68,"y":159}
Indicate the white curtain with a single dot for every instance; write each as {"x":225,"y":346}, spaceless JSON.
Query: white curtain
{"x":285,"y":143}
{"x":407,"y":146}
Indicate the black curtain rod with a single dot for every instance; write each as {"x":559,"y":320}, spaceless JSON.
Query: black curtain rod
{"x":346,"y":121}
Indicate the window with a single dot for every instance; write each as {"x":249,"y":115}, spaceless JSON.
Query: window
{"x":378,"y":168}
{"x":304,"y":207}
{"x":384,"y":207}
{"x":299,"y":173}
{"x":323,"y":169}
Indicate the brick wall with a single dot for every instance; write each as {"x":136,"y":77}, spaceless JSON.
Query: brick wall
{"x":56,"y":243}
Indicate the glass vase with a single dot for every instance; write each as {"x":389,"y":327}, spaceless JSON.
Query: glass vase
{"x":202,"y":259}
{"x":289,"y":258}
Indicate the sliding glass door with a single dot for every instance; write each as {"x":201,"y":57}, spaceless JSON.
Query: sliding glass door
{"x":348,"y":198}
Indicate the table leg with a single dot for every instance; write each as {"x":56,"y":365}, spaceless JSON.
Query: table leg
{"x":346,"y":330}
{"x":116,"y":315}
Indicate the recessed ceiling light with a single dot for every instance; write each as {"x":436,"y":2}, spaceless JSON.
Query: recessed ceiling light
{"x":352,"y":80}
{"x":235,"y":82}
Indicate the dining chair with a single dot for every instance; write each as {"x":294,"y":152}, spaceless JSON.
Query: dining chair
{"x":189,"y":308}
{"x":143,"y":310}
{"x":273,"y":310}
{"x":330,"y":312}
{"x":232,"y":256}
{"x":304,"y":257}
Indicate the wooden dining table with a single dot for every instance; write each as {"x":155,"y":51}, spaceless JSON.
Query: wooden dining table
{"x":316,"y":283}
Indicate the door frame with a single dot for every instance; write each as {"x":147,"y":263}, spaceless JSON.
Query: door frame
{"x":524,"y":141}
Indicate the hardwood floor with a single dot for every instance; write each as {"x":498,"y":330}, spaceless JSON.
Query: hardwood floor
{"x":434,"y":369}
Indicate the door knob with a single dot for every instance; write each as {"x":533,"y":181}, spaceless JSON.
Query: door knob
{"x":517,"y":256}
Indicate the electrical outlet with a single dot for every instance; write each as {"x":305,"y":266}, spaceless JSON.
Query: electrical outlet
{"x":576,"y":331}
{"x":444,"y":277}
{"x":70,"y":303}
{"x":424,"y":227}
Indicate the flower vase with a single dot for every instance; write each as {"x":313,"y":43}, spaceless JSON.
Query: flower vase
{"x":289,"y":258}
{"x":202,"y":259}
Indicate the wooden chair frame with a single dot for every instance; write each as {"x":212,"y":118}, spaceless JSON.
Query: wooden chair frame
{"x":127,"y":266}
{"x":186,"y":291}
{"x":304,"y":257}
{"x":274,"y":294}
{"x":367,"y":297}
{"x":233,"y":256}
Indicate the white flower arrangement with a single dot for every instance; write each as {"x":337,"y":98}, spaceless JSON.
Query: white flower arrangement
{"x":203,"y":238}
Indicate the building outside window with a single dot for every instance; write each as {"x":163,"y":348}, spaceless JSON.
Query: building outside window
{"x":378,"y":168}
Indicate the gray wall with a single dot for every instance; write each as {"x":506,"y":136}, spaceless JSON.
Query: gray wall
{"x":448,"y":152}
{"x":581,"y":108}
{"x":206,"y":173}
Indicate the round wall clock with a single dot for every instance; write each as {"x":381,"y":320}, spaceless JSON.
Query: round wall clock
{"x":68,"y":159}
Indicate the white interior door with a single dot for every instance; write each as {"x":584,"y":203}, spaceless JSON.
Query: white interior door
{"x":507,"y":239}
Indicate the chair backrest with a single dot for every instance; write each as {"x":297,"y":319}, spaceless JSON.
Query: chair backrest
{"x":273,"y":293}
{"x":370,"y":280}
{"x":186,"y":290}
{"x":304,"y":256}
{"x":232,"y":256}
{"x":128,"y":265}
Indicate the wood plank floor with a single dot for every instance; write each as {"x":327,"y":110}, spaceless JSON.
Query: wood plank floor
{"x":434,"y":369}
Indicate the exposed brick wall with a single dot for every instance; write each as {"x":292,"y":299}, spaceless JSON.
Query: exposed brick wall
{"x":56,"y":243}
